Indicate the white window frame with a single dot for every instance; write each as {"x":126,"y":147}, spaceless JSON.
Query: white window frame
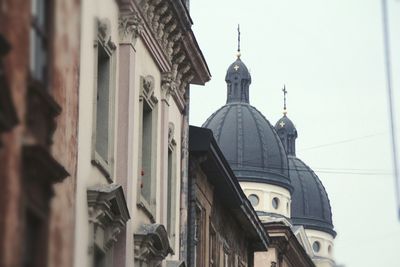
{"x":146,"y":96}
{"x":103,"y":39}
{"x":172,"y":154}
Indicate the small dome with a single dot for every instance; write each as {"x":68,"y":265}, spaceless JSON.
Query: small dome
{"x":310,"y":203}
{"x":238,"y":80}
{"x":287,"y":133}
{"x":285,"y":124}
{"x":237,"y":69}
{"x":250,"y":144}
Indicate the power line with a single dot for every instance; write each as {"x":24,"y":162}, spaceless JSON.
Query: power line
{"x":342,"y":141}
{"x":319,"y":170}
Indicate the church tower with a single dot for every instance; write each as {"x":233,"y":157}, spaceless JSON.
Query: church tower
{"x":252,"y":147}
{"x":311,"y":209}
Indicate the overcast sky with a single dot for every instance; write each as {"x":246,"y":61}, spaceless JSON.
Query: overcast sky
{"x":330,"y":56}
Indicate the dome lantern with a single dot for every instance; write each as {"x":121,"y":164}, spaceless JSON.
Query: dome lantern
{"x":238,"y":79}
{"x":286,"y":130}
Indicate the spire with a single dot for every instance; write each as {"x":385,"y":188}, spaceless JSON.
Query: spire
{"x":238,"y":50}
{"x":284,"y":100}
{"x":238,"y":79}
{"x":286,"y":130}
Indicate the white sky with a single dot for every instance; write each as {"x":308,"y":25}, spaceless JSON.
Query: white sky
{"x":330,"y":56}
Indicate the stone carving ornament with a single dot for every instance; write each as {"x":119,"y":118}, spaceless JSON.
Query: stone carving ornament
{"x":130,"y":26}
{"x":104,"y":33}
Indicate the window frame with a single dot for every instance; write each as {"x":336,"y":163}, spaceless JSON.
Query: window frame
{"x":42,"y":32}
{"x":171,"y":191}
{"x":147,"y":97}
{"x":103,"y":40}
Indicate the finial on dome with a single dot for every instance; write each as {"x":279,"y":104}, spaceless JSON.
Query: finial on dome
{"x":284,"y":99}
{"x":238,"y":50}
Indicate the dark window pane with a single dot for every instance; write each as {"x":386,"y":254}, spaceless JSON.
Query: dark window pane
{"x":103,"y":102}
{"x":146,"y":152}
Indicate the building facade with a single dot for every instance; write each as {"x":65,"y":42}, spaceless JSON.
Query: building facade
{"x":137,"y":61}
{"x":39,"y":72}
{"x":224,"y":228}
{"x":94,"y":131}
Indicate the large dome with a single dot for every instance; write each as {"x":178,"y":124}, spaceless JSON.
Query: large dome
{"x":310,"y":203}
{"x":250,"y":144}
{"x":248,"y":141}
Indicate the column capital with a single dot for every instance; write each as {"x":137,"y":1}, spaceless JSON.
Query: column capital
{"x":130,"y":26}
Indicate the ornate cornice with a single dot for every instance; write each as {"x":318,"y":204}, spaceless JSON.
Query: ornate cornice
{"x":167,"y":34}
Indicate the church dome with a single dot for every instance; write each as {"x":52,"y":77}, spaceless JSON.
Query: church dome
{"x":285,"y":124}
{"x":237,"y":69}
{"x":249,"y":142}
{"x":287,"y":133}
{"x":310,"y":203}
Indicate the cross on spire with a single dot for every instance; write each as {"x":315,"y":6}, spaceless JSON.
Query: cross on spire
{"x":284,"y":99}
{"x":238,"y":29}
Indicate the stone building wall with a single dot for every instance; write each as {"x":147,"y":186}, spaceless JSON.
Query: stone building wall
{"x":231,"y":245}
{"x":38,"y":154}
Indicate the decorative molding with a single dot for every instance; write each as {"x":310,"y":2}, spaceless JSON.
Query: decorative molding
{"x":107,"y":211}
{"x":104,"y":35}
{"x":42,"y":110}
{"x":168,"y":86}
{"x":147,"y":84}
{"x":39,"y":165}
{"x":171,"y":134}
{"x":152,"y":244}
{"x":167,"y":33}
{"x":130,"y":26}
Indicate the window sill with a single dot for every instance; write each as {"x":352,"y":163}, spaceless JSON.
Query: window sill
{"x":99,"y":165}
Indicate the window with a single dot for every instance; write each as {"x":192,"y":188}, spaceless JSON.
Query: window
{"x":200,"y":235}
{"x":316,"y":246}
{"x":35,"y":243}
{"x":104,"y":101}
{"x":171,"y":195}
{"x":99,"y":257}
{"x":213,"y":247}
{"x":147,"y":158}
{"x":330,"y":250}
{"x":148,"y":145}
{"x":227,"y":256}
{"x":254,"y":200}
{"x":39,"y":35}
{"x":275,"y":203}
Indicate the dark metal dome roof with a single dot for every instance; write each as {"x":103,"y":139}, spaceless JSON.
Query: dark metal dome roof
{"x":250,"y":144}
{"x":310,"y":203}
{"x":238,"y":80}
{"x":287,"y":133}
{"x":286,"y":124}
